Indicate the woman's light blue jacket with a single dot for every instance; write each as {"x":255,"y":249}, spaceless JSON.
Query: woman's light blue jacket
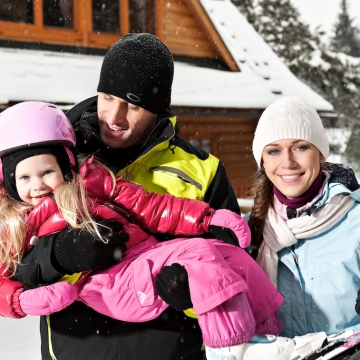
{"x":321,"y":289}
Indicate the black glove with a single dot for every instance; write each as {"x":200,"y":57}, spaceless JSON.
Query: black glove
{"x":78,"y":250}
{"x":224,"y":234}
{"x":172,"y":286}
{"x":36,"y":268}
{"x":69,"y":252}
{"x":357,"y":305}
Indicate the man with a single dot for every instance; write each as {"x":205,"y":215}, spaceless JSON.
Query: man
{"x":131,"y":128}
{"x":130,"y":125}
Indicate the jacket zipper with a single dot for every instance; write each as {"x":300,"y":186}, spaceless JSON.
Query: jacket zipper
{"x":302,"y":282}
{"x":179,"y":173}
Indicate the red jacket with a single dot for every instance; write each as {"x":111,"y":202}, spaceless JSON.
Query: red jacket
{"x":129,"y":204}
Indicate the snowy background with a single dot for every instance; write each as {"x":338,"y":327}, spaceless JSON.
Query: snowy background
{"x":324,"y":13}
{"x":19,"y":339}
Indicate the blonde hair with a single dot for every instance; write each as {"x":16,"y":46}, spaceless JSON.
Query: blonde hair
{"x":72,"y":201}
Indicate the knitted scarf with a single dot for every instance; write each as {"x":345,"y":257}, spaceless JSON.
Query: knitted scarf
{"x":279,"y":233}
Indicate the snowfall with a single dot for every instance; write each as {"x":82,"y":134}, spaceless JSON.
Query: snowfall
{"x":69,"y":78}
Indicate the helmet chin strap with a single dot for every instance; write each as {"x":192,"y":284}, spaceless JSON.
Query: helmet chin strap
{"x":73,"y":162}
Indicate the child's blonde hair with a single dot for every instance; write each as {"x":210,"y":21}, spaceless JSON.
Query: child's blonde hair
{"x":72,"y":202}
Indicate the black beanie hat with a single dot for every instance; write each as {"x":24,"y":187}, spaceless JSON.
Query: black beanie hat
{"x":139,"y":68}
{"x":10,"y":162}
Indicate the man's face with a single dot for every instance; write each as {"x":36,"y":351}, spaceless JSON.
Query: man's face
{"x":123,"y":124}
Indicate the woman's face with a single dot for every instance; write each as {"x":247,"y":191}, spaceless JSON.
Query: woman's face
{"x":292,"y":165}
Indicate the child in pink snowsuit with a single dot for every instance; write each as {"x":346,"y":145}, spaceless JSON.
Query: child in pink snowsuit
{"x":231,"y":295}
{"x":219,"y":273}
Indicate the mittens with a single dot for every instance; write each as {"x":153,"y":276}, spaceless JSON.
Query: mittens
{"x":48,"y":299}
{"x":172,"y":286}
{"x":230,"y":228}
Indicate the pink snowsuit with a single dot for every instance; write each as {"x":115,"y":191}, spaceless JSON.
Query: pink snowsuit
{"x":231,"y":295}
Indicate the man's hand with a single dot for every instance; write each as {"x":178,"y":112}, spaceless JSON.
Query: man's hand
{"x":172,"y":285}
{"x":69,"y":252}
{"x":78,"y":250}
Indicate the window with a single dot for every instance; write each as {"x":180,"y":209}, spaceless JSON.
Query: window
{"x":18,"y":11}
{"x":106,"y":16}
{"x":202,"y":143}
{"x":85,"y":23}
{"x":58,"y":13}
{"x":142,"y":16}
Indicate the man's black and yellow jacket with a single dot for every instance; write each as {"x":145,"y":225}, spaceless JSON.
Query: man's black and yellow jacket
{"x":165,"y":163}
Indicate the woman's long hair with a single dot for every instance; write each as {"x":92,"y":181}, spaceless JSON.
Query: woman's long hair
{"x":72,"y":202}
{"x":263,"y":195}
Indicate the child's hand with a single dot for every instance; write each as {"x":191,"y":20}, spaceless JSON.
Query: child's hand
{"x":48,"y":299}
{"x":230,"y":228}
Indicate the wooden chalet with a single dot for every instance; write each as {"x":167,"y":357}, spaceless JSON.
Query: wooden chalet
{"x":225,"y":74}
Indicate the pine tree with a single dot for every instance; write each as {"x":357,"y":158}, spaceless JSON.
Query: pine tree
{"x":336,"y":76}
{"x":346,"y":39}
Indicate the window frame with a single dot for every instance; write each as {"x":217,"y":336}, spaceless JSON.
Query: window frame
{"x":200,"y":137}
{"x":82,"y":34}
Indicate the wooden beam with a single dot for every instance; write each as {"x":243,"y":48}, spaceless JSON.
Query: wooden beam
{"x":159,"y":15}
{"x":205,"y":22}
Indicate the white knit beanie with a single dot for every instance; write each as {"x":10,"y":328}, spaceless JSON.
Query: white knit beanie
{"x":289,"y":118}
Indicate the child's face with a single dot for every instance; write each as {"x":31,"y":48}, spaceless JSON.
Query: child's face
{"x":36,"y":177}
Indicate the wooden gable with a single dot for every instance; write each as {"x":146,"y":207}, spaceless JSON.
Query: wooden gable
{"x":93,"y":24}
{"x":186,"y":29}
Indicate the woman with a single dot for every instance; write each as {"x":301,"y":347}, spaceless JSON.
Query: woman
{"x":305,"y":222}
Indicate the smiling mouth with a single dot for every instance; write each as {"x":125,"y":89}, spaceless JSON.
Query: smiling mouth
{"x":290,"y":177}
{"x":115,"y":128}
{"x":40,"y":196}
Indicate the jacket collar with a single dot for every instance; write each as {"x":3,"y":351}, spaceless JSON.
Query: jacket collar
{"x":86,"y":123}
{"x":341,"y":180}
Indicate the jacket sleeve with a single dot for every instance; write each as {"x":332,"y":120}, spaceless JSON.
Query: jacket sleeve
{"x":153,"y":212}
{"x":163,"y":213}
{"x":220,"y":194}
{"x":10,"y":291}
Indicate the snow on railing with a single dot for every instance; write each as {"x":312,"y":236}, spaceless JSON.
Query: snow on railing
{"x":245,"y":202}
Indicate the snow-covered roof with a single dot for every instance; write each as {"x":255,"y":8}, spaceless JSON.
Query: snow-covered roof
{"x":69,"y":78}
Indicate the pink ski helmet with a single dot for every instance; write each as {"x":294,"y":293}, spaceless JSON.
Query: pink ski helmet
{"x":34,"y":123}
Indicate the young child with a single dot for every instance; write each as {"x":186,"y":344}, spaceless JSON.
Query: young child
{"x":230,"y":294}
